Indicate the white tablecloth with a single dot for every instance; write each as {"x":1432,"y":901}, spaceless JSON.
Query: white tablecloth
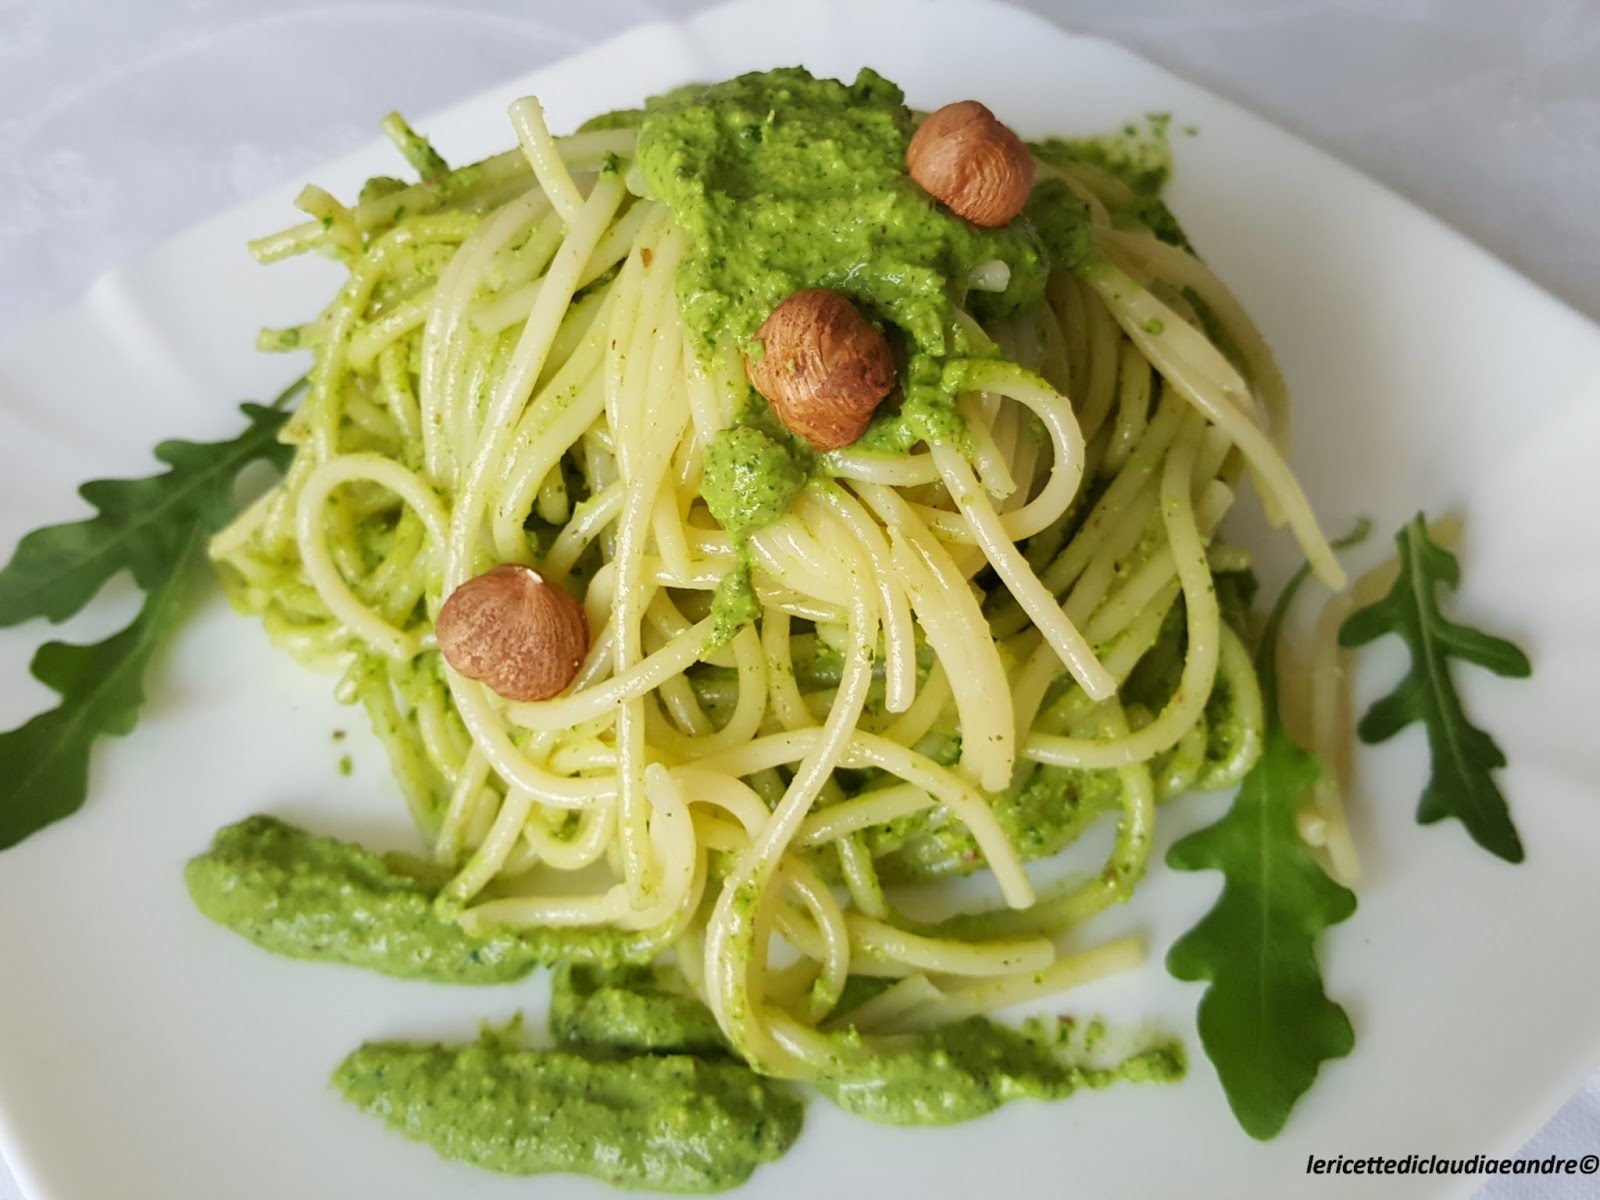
{"x":123,"y":123}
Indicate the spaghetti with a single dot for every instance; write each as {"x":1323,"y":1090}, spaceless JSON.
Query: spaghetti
{"x":949,"y":647}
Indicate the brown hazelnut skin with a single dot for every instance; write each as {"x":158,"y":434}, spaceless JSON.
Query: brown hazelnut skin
{"x":824,"y":369}
{"x":511,"y":630}
{"x":965,"y":158}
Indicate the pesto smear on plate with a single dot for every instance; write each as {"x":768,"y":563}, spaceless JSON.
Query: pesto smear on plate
{"x":641,"y":1091}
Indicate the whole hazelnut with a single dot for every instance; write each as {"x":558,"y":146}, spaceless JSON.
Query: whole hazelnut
{"x":964,"y":157}
{"x":824,"y":368}
{"x":511,"y":630}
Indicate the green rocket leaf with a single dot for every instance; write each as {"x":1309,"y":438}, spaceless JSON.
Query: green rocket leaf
{"x":140,"y":525}
{"x":156,"y":528}
{"x":1462,"y":755}
{"x":1265,"y":1021}
{"x":44,"y":764}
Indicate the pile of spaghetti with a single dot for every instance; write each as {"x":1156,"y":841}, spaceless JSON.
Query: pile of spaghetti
{"x":815,"y":677}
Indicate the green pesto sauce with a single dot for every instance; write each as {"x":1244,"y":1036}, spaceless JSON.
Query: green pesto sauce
{"x":642,"y":1091}
{"x":784,"y":181}
{"x":1224,"y":734}
{"x":662,"y":1122}
{"x":734,"y":604}
{"x":926,"y":412}
{"x":1236,"y":594}
{"x":1157,"y":674}
{"x":380,"y":186}
{"x":306,"y":896}
{"x":629,"y":1008}
{"x":750,"y":479}
{"x":1062,"y":219}
{"x":632,"y":118}
{"x":965,"y":1070}
{"x":752,"y":476}
{"x":1137,"y":156}
{"x":1047,"y":809}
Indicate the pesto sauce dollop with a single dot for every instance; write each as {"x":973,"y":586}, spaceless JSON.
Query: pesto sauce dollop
{"x":662,"y":1122}
{"x":307,"y":896}
{"x":641,"y":1090}
{"x":785,"y":181}
{"x":629,"y":1008}
{"x":962,"y":1071}
{"x":750,"y":479}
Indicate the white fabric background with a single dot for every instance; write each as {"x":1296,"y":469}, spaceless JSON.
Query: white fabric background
{"x":122,"y":123}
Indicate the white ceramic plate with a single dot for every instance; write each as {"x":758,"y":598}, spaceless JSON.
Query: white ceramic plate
{"x":147,"y":1053}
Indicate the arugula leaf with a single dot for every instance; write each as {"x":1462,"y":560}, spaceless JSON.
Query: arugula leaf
{"x":1265,"y":1021}
{"x":1462,"y":754}
{"x":142,"y":525}
{"x":44,"y":764}
{"x":157,"y":529}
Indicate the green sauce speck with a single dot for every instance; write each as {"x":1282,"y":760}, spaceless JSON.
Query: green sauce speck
{"x":734,"y":605}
